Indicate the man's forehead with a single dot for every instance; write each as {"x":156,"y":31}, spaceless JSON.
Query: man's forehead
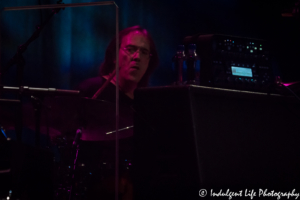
{"x":136,"y":38}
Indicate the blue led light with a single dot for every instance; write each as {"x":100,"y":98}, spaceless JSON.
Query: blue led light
{"x":3,"y":133}
{"x":241,"y":71}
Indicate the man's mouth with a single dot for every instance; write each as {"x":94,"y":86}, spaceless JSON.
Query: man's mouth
{"x":135,"y":67}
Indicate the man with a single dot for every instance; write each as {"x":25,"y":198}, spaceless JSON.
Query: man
{"x":138,"y":58}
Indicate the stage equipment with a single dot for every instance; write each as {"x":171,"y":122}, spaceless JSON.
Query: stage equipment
{"x":95,"y":118}
{"x":37,"y":96}
{"x":86,"y":161}
{"x":20,"y":61}
{"x":18,"y":58}
{"x":93,"y":176}
{"x":26,"y":172}
{"x":25,"y":90}
{"x":188,"y":138}
{"x":233,"y":62}
{"x":292,"y":12}
{"x":186,"y":66}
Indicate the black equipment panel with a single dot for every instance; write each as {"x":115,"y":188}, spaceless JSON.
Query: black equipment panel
{"x":196,"y":137}
{"x":233,"y":62}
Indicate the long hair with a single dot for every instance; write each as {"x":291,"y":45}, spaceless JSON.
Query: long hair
{"x":108,"y":65}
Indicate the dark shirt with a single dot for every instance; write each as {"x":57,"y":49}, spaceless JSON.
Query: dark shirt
{"x":100,"y":116}
{"x":90,"y":86}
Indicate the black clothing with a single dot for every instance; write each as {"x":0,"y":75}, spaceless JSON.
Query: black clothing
{"x":90,"y":86}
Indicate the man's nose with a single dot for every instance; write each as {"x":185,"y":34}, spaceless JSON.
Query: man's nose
{"x":137,"y":55}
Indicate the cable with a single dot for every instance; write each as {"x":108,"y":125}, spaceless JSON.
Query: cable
{"x":291,"y":91}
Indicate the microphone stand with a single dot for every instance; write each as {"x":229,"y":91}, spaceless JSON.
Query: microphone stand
{"x":37,"y":105}
{"x":18,"y":58}
{"x":76,"y":147}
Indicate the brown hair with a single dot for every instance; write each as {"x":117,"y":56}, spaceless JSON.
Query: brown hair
{"x":110,"y":55}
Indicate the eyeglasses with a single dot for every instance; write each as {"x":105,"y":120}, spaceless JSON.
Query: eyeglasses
{"x":133,"y":49}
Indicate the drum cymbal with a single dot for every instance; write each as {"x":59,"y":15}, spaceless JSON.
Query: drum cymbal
{"x":64,"y":115}
{"x":96,"y":118}
{"x":9,"y":115}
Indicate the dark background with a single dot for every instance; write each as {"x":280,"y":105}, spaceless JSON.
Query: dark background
{"x":72,"y":46}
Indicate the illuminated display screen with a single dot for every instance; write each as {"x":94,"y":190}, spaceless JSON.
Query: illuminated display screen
{"x":241,"y":71}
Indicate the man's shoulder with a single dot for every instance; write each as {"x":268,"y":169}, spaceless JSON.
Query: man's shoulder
{"x":97,"y":81}
{"x":90,"y":86}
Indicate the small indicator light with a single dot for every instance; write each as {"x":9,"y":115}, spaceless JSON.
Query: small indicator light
{"x":247,"y":47}
{"x":260,"y":49}
{"x":251,"y":51}
{"x":260,"y":45}
{"x":255,"y":48}
{"x":232,"y":41}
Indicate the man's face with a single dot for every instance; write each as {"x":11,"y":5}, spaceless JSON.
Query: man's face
{"x":134,"y":56}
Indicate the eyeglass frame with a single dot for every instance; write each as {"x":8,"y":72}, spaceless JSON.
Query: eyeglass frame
{"x":135,"y":49}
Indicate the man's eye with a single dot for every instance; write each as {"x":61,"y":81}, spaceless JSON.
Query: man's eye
{"x":145,"y":52}
{"x":130,"y":49}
